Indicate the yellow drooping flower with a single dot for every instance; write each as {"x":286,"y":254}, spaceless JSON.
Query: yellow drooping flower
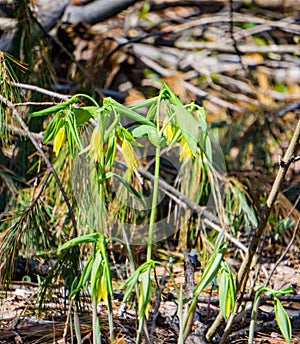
{"x":59,"y":140}
{"x":128,"y":154}
{"x":184,"y":150}
{"x":102,"y":291}
{"x":96,"y":145}
{"x":168,"y":132}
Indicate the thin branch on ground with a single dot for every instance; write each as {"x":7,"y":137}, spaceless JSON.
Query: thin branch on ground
{"x":244,"y":49}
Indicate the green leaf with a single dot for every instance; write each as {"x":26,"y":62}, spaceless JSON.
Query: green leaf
{"x":223,"y":294}
{"x":226,"y":291}
{"x":111,"y":151}
{"x":55,"y":108}
{"x":283,"y":320}
{"x":73,"y":137}
{"x":209,"y":272}
{"x":89,"y":238}
{"x":129,"y":187}
{"x":112,"y":128}
{"x":259,"y":41}
{"x":130,"y":283}
{"x":125,"y":134}
{"x":106,"y":266}
{"x":208,"y":275}
{"x":167,"y":93}
{"x":188,"y":126}
{"x":201,"y":114}
{"x":284,"y":291}
{"x":84,"y":278}
{"x":96,"y":273}
{"x":53,"y":127}
{"x":83,"y":114}
{"x":142,"y":130}
{"x":125,"y":111}
{"x":145,"y":293}
{"x":153,"y":135}
{"x":208,"y":149}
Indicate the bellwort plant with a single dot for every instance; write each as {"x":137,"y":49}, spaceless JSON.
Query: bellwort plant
{"x":168,"y":124}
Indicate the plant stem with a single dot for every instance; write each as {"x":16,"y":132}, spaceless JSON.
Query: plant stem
{"x":101,"y":230}
{"x":96,"y":325}
{"x":140,"y":331}
{"x":154,"y":203}
{"x":88,"y":97}
{"x":253,"y":319}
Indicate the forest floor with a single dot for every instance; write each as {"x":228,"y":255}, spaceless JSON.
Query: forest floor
{"x":23,"y":322}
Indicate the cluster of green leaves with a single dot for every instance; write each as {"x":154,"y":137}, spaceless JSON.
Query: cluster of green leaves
{"x":184,"y":124}
{"x":281,"y":315}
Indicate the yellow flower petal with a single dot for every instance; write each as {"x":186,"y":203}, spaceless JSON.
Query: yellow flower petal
{"x":59,"y":139}
{"x":184,"y":150}
{"x":102,"y":292}
{"x":128,"y":154}
{"x":96,"y":145}
{"x":168,"y":132}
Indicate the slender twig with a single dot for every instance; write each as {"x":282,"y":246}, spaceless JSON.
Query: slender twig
{"x":284,"y":253}
{"x":45,"y":158}
{"x":35,"y":104}
{"x":41,"y":90}
{"x":243,"y":272}
{"x":282,"y":24}
{"x":244,"y":49}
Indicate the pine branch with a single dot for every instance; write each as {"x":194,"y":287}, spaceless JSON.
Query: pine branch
{"x":50,"y":167}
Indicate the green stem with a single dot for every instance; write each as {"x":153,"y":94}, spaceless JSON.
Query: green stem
{"x":110,"y":318}
{"x":154,"y":203}
{"x":96,"y":325}
{"x":253,"y":320}
{"x":88,"y":97}
{"x":101,"y":195}
{"x":140,"y":331}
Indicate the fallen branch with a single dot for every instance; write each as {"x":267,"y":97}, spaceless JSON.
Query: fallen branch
{"x":95,"y":11}
{"x":244,"y":49}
